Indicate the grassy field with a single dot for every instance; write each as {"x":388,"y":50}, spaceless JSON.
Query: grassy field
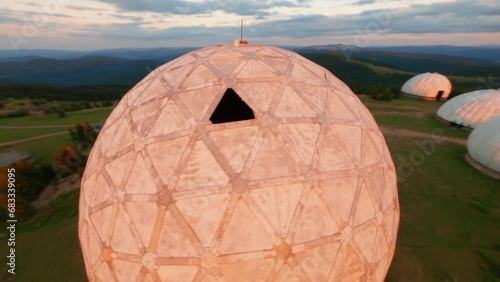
{"x":91,"y":116}
{"x":450,"y":213}
{"x":9,"y":134}
{"x":43,"y":149}
{"x":411,"y":114}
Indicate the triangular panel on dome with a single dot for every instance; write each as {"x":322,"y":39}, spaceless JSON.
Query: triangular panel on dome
{"x":280,"y":165}
{"x":333,"y":157}
{"x":173,"y":240}
{"x":231,"y":108}
{"x":204,"y":215}
{"x":365,"y":209}
{"x":118,"y":167}
{"x":102,"y":192}
{"x":339,"y":110}
{"x":125,"y":270}
{"x":199,"y":100}
{"x":292,"y":105}
{"x":270,"y":52}
{"x":278,"y":64}
{"x":226,"y":53}
{"x":140,"y":180}
{"x":226,"y":67}
{"x":143,"y":218}
{"x":179,"y":62}
{"x":300,"y":73}
{"x":316,"y":94}
{"x":169,"y":121}
{"x":154,"y":90}
{"x":144,"y":117}
{"x":103,"y":273}
{"x":166,"y":156}
{"x":348,"y":265}
{"x":121,"y":139}
{"x":201,"y":170}
{"x":315,"y":221}
{"x":241,"y":240}
{"x":278,"y":204}
{"x":252,"y":270}
{"x":206,"y":52}
{"x":123,"y":241}
{"x":303,"y":138}
{"x":365,"y":241}
{"x":235,"y":145}
{"x":136,"y":92}
{"x":178,"y":272}
{"x":352,"y":137}
{"x":103,"y":220}
{"x":202,"y":76}
{"x":381,"y":246}
{"x":340,"y":192}
{"x":317,"y":262}
{"x":261,"y":93}
{"x":175,"y":76}
{"x":254,"y":69}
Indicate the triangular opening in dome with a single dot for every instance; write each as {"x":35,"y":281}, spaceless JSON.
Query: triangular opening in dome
{"x":231,"y":108}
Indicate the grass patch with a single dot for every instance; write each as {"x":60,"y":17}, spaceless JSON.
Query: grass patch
{"x":9,"y":135}
{"x":448,"y":214}
{"x":91,"y":116}
{"x":41,"y":149}
{"x":416,"y":115}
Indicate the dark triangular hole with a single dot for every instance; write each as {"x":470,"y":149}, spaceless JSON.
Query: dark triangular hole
{"x":231,"y":108}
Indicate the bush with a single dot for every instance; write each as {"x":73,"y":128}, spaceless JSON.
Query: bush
{"x":18,"y":113}
{"x":59,"y":112}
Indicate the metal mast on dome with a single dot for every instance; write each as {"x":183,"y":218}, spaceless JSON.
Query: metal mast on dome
{"x":241,"y":41}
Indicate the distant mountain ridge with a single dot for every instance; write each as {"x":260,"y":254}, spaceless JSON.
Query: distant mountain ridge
{"x":128,"y":66}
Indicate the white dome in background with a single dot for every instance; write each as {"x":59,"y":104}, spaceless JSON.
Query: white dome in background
{"x":471,"y":109}
{"x":483,"y":147}
{"x":179,"y":187}
{"x":428,"y":86}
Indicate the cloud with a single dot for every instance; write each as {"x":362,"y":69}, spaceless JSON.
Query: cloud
{"x":84,"y":8}
{"x":180,"y":7}
{"x":444,"y":18}
{"x":365,"y":2}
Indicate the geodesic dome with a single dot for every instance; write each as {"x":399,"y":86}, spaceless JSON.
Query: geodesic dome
{"x":245,"y":163}
{"x":471,"y":109}
{"x":428,"y":86}
{"x":483,"y":147}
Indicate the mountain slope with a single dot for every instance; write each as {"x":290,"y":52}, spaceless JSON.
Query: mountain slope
{"x":89,"y":70}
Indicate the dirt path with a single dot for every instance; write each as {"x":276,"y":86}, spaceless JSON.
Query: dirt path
{"x":32,"y":138}
{"x":411,"y":133}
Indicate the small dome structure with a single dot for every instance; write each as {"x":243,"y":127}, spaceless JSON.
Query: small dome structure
{"x":428,"y":86}
{"x":470,"y":109}
{"x":246,"y":163}
{"x":483,"y":147}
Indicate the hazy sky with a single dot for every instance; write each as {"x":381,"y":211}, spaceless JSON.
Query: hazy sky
{"x":101,"y":24}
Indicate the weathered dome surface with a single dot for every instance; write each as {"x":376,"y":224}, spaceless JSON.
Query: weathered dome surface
{"x":483,"y":147}
{"x":428,"y":86}
{"x":304,"y":189}
{"x":471,"y":109}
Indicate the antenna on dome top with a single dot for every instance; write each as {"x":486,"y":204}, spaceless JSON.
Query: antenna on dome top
{"x":241,"y":41}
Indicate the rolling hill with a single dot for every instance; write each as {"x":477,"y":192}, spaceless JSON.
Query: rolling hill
{"x":87,"y":70}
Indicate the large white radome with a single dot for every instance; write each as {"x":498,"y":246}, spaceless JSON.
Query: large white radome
{"x":471,"y":109}
{"x":304,"y":190}
{"x":483,"y":147}
{"x":428,"y":86}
